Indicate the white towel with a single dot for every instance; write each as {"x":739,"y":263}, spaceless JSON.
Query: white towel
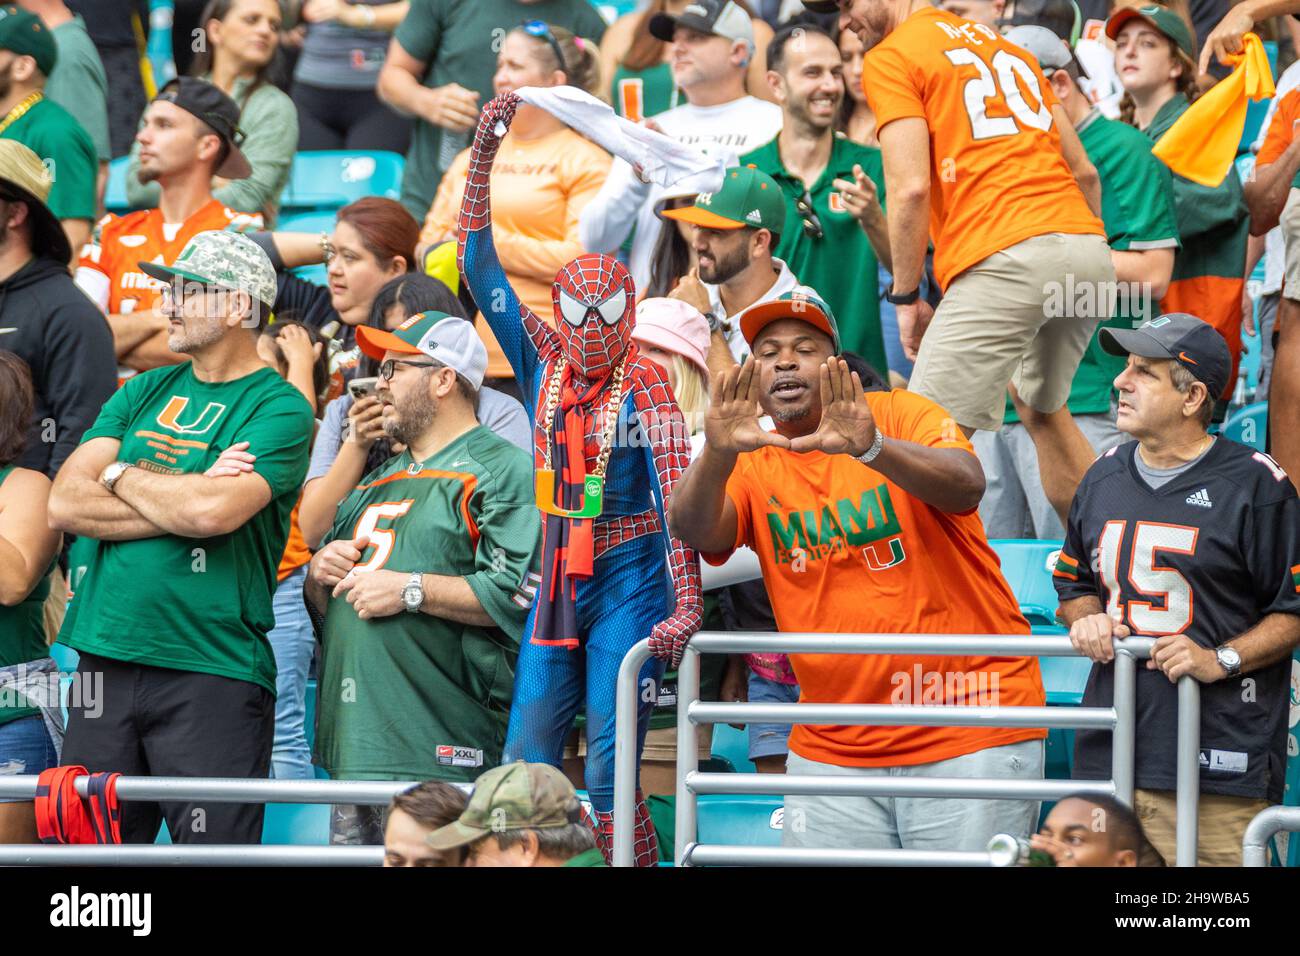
{"x":658,"y":158}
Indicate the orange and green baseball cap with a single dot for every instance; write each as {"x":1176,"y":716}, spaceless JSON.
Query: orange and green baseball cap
{"x":748,"y":197}
{"x":802,"y":304}
{"x":1162,"y":18}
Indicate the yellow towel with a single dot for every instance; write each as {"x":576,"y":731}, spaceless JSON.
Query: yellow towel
{"x":1202,"y":143}
{"x":440,"y":262}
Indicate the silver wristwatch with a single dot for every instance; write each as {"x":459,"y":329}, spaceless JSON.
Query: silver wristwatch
{"x":108,"y":478}
{"x":413,"y":592}
{"x":1229,"y":660}
{"x":877,"y":443}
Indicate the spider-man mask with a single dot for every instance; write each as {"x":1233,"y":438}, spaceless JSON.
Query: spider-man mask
{"x":594,"y":302}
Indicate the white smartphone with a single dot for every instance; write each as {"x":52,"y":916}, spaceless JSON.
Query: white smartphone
{"x":359,"y":388}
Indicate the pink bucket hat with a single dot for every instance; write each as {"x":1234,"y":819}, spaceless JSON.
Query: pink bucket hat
{"x":675,"y":327}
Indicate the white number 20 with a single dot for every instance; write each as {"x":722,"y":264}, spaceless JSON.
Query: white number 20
{"x":1147,"y":577}
{"x":980,"y":89}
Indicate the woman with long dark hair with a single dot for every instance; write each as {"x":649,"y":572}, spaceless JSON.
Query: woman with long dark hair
{"x":351,"y":443}
{"x":240,"y":39}
{"x":27,"y":549}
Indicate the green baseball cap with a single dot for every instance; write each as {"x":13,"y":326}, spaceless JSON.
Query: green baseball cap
{"x":802,"y":304}
{"x":26,"y":34}
{"x":748,"y":197}
{"x":512,"y":797}
{"x":223,"y":259}
{"x":1162,"y":18}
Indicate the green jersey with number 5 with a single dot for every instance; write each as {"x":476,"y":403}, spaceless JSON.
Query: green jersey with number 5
{"x":411,"y":695}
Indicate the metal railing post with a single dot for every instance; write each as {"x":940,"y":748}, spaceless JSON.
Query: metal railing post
{"x":625,"y":708}
{"x":1189,"y":771}
{"x":1254,"y":843}
{"x":1124,"y":739}
{"x":688,"y":751}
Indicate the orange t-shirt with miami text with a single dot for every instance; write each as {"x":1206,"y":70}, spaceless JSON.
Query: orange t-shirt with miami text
{"x":997,"y":175}
{"x":845,"y":550}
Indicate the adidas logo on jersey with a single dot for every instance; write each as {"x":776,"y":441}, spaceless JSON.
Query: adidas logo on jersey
{"x":753,"y":216}
{"x":1200,"y":498}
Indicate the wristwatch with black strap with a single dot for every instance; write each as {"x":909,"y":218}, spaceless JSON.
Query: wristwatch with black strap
{"x":905,"y":299}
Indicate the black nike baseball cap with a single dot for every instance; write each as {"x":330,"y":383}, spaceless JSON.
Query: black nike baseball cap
{"x":1062,"y":17}
{"x":1191,"y":342}
{"x":219,"y":112}
{"x":721,"y":18}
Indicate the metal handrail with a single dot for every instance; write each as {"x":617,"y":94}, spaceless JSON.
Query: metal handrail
{"x":1120,"y":718}
{"x":211,"y":790}
{"x":1254,"y":843}
{"x":229,"y":789}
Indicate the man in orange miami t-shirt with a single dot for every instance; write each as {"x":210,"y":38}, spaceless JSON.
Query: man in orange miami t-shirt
{"x":861,"y":508}
{"x":972,"y":132}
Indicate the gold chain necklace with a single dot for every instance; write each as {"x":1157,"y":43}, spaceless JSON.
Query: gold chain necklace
{"x":19,"y":111}
{"x":593,"y":485}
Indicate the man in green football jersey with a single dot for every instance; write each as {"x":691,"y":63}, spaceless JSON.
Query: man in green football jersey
{"x":175,"y":606}
{"x":424,"y":582}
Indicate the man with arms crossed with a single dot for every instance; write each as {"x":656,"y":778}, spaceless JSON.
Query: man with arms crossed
{"x":175,"y":607}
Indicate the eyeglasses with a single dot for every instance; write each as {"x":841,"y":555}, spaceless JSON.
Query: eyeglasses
{"x":179,"y":290}
{"x":812,"y":226}
{"x":388,"y":366}
{"x":539,"y":29}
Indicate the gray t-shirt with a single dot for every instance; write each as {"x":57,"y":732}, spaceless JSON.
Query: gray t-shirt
{"x":498,"y":411}
{"x":342,"y":58}
{"x":1157,"y":478}
{"x":79,"y":84}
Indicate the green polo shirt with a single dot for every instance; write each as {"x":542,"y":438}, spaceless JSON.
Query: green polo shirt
{"x":841,"y":265}
{"x":1137,"y":209}
{"x":64,"y":146}
{"x":592,"y":857}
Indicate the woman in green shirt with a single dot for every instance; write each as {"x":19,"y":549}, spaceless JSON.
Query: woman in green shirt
{"x":27,"y":549}
{"x":242,"y":37}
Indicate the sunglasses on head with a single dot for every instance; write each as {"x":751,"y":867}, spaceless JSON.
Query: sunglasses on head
{"x":539,"y":29}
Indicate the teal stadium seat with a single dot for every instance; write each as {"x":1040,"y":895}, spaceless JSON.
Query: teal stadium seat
{"x":327,"y":179}
{"x":115,"y":191}
{"x":1027,"y":565}
{"x":315,"y":223}
{"x":1248,"y":425}
{"x":732,"y":747}
{"x":740,"y":819}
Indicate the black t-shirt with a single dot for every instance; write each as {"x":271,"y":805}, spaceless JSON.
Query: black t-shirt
{"x":1208,"y":554}
{"x":109,"y":21}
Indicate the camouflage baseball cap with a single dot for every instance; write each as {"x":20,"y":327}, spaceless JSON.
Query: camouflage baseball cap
{"x":512,"y":797}
{"x":226,"y":260}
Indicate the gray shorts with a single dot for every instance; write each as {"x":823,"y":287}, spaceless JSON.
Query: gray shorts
{"x":915,"y":823}
{"x":1014,"y":505}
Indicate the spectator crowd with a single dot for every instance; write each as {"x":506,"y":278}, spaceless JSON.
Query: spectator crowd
{"x":940,"y":292}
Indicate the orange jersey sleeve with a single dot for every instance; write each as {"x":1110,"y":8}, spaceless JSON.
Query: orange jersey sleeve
{"x":997,"y":175}
{"x":1280,"y":134}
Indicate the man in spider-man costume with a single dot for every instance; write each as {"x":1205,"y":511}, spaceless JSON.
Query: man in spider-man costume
{"x":610,"y":444}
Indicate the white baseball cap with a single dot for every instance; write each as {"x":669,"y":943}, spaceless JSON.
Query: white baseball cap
{"x":441,"y":337}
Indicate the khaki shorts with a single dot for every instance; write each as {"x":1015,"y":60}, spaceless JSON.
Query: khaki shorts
{"x":1222,"y":827}
{"x":1290,"y":224}
{"x":1015,"y":317}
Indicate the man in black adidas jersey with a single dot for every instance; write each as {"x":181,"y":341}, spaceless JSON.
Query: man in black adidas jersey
{"x":1194,"y":540}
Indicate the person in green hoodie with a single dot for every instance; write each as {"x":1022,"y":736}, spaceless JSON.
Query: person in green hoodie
{"x":1155,"y":59}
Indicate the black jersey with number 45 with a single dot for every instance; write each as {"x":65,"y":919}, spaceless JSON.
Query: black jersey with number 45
{"x":1208,"y":554}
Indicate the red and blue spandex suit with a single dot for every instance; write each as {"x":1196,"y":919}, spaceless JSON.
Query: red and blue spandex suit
{"x":610,"y":581}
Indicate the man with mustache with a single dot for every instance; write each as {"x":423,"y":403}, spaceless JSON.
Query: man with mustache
{"x":857,"y":504}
